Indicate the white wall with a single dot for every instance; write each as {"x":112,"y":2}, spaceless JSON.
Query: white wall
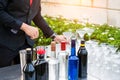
{"x":97,"y":11}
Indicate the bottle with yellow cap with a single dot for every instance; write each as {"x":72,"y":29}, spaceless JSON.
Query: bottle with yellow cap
{"x":82,"y":55}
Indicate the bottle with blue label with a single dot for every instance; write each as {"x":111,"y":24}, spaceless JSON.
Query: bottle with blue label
{"x":73,"y":62}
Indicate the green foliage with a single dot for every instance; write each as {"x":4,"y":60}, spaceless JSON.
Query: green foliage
{"x":103,"y":33}
{"x":107,"y":34}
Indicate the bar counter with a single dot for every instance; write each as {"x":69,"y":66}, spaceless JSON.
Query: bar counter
{"x":10,"y":73}
{"x":13,"y":73}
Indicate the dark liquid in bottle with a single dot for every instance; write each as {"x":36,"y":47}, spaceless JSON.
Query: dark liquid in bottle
{"x":42,"y":71}
{"x":82,"y":55}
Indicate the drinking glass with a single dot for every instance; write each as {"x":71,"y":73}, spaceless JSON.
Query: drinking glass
{"x":89,"y":31}
{"x":68,"y":35}
{"x":81,"y":33}
{"x":22,"y":54}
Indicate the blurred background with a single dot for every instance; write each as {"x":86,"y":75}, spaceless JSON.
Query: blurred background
{"x":97,"y":11}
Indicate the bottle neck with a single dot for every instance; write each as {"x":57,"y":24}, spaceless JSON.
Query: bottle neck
{"x":82,"y":45}
{"x":28,"y":55}
{"x":73,"y":48}
{"x":73,"y":51}
{"x":28,"y":58}
{"x":53,"y":54}
{"x":63,"y":49}
{"x":63,"y":46}
{"x":41,"y":57}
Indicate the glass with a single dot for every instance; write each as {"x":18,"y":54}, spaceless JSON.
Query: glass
{"x":81,"y":33}
{"x":22,"y":54}
{"x":68,"y":35}
{"x":89,"y":31}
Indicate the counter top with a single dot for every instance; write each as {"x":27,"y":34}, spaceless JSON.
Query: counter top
{"x":10,"y":73}
{"x":13,"y":73}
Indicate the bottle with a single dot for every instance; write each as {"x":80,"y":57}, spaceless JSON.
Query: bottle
{"x":28,"y":69}
{"x":63,"y":62}
{"x":82,"y":55}
{"x":73,"y":62}
{"x":53,"y":63}
{"x":41,"y":66}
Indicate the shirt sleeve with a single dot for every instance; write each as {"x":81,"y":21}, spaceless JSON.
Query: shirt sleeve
{"x":41,"y":23}
{"x":7,"y":19}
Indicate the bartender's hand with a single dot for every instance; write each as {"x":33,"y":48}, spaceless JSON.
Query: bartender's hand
{"x":30,"y":31}
{"x":59,"y":38}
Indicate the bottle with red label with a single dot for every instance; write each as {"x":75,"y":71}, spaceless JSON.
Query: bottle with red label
{"x":63,"y":62}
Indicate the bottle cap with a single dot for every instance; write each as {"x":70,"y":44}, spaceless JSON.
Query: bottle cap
{"x":29,"y":54}
{"x":28,"y":50}
{"x":73,"y":41}
{"x":63,"y":45}
{"x":53,"y":46}
{"x":82,"y":43}
{"x":40,"y":51}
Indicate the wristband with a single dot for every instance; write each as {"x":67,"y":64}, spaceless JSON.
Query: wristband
{"x":53,"y":36}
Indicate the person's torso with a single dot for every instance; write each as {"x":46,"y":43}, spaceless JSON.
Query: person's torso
{"x":21,"y":10}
